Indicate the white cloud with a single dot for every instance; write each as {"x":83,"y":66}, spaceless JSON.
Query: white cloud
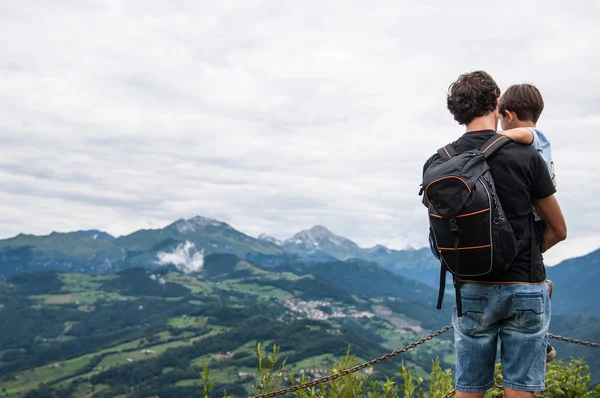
{"x":185,"y":257}
{"x":272,"y":116}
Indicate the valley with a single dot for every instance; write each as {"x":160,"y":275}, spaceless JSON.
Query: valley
{"x":85,"y":314}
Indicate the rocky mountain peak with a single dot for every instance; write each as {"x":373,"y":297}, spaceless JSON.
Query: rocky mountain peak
{"x":270,"y":239}
{"x":197,"y":223}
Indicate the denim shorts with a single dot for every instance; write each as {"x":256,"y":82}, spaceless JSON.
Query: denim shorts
{"x":518,"y":314}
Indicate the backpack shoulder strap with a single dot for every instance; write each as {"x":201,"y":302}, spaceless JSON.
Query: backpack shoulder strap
{"x":494,"y":144}
{"x":447,"y":151}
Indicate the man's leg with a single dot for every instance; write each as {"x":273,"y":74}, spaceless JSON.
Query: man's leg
{"x":510,"y":393}
{"x":524,"y":337}
{"x":460,"y":394}
{"x":475,"y":339}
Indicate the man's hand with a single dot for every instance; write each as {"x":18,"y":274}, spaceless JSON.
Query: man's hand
{"x":556,"y":227}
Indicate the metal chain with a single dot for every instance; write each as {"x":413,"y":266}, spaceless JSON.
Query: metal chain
{"x":358,"y":367}
{"x":393,"y":354}
{"x":574,"y":341}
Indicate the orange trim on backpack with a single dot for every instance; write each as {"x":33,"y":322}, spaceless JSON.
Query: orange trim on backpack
{"x":466,"y":248}
{"x":445,"y":150}
{"x":489,"y":146}
{"x":472,"y":214}
{"x":462,"y":215}
{"x":443,"y":178}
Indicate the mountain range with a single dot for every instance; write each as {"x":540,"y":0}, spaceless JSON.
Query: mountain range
{"x":156,"y":303}
{"x":184,"y":243}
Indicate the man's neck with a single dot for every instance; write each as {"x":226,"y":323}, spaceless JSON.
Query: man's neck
{"x":488,"y":122}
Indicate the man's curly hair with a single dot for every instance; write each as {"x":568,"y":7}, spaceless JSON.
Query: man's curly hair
{"x":472,"y":95}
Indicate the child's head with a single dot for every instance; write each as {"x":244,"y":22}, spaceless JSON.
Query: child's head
{"x":520,"y":106}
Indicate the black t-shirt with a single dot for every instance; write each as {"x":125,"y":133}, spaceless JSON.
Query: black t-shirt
{"x":521,"y":177}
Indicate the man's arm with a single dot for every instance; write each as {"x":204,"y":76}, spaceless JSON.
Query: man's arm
{"x":521,"y":135}
{"x":556,"y":226}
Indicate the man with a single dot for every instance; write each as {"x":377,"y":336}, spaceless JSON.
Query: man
{"x":513,"y":305}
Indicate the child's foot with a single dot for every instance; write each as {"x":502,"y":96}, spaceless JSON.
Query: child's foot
{"x":550,"y":353}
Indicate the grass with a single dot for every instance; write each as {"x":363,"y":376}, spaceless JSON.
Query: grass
{"x":63,"y":246}
{"x":123,"y":358}
{"x":83,"y":298}
{"x":251,"y":346}
{"x":189,"y":383}
{"x":30,"y":379}
{"x":138,"y":354}
{"x":134,"y":353}
{"x":85,"y":391}
{"x":285,"y":275}
{"x":65,"y":338}
{"x":188,"y":321}
{"x":83,"y":282}
{"x":324,"y":361}
{"x":219,"y":376}
{"x":264,"y":292}
{"x":59,"y":299}
{"x":121,"y":347}
{"x":196,"y":286}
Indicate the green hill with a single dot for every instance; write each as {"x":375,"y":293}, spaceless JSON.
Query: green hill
{"x":97,"y":252}
{"x":58,"y":251}
{"x":149,"y":329}
{"x":576,"y":285}
{"x":109,"y":317}
{"x":144,"y":332}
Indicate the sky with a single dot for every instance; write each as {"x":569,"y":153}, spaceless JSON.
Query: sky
{"x":274,"y":116}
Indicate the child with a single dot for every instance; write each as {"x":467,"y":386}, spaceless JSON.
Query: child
{"x":520,"y":107}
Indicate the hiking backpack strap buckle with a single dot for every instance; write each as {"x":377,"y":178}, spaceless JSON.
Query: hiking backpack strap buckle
{"x":454,"y":226}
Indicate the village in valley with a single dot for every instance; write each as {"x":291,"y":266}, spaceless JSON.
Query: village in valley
{"x":323,"y":310}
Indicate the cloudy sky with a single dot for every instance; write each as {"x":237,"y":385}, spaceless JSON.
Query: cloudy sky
{"x":274,"y":115}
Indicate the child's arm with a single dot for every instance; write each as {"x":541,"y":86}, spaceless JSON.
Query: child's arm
{"x":521,"y":135}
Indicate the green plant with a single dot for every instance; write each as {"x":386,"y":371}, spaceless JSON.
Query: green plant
{"x":562,"y":381}
{"x":205,"y":378}
{"x":570,"y":381}
{"x":268,"y":377}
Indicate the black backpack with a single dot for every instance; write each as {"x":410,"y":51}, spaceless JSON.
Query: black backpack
{"x":468,"y":231}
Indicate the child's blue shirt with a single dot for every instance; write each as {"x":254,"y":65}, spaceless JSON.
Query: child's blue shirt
{"x":543,"y":147}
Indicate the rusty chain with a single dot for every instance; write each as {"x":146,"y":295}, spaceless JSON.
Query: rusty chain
{"x":448,"y":394}
{"x":393,"y":354}
{"x":357,"y":367}
{"x":574,"y":341}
